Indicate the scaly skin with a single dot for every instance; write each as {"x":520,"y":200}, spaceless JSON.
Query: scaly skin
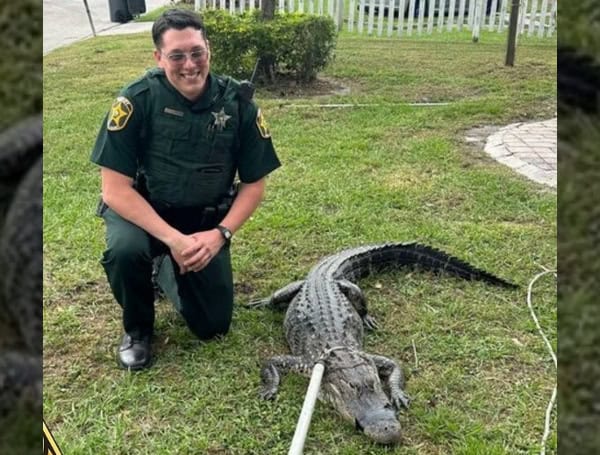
{"x":21,"y":266}
{"x":325,"y":320}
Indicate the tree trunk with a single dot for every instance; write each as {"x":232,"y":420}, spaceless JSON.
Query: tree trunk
{"x":268,"y":9}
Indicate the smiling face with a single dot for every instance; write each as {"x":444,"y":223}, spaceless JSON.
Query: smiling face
{"x":185,"y":57}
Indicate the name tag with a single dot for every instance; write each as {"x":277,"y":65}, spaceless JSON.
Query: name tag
{"x":175,"y":112}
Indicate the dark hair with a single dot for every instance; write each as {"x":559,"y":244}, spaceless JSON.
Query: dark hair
{"x":177,"y":19}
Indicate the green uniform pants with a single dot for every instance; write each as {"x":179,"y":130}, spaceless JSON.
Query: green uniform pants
{"x":204,"y":298}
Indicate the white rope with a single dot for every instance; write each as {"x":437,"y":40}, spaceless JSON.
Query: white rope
{"x":326,"y":353}
{"x":552,"y":354}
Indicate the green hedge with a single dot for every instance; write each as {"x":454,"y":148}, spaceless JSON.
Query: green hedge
{"x":296,"y":45}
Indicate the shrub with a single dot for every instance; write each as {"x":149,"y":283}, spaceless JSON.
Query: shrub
{"x":232,"y":46}
{"x":298,"y":45}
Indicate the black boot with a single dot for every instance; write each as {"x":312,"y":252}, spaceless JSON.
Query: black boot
{"x":135,"y":354}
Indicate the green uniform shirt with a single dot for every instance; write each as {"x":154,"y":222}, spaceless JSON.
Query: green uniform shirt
{"x":188,"y":152}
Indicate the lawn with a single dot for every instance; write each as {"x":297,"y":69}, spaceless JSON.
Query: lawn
{"x":386,"y":171}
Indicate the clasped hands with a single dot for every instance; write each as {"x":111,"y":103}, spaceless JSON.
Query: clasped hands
{"x":193,"y":252}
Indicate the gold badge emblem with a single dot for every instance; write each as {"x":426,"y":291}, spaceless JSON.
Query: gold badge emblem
{"x":120,"y":112}
{"x":261,"y":123}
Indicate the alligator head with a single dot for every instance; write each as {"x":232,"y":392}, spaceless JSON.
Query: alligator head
{"x":352,"y":385}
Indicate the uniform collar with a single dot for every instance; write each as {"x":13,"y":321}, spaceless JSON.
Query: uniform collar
{"x":210,"y":96}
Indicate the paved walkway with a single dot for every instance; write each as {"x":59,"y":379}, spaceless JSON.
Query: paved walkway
{"x":528,"y":148}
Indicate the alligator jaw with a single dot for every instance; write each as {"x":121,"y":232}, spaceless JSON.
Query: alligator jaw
{"x":381,"y":426}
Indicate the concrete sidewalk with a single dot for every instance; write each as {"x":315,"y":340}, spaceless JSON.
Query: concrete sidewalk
{"x":528,"y":148}
{"x":66,"y":21}
{"x":129,"y":27}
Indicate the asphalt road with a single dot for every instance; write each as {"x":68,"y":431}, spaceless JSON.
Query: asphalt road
{"x":66,"y":21}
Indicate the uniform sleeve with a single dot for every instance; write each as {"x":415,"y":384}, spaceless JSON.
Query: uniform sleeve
{"x":257,"y":156}
{"x":118,"y":142}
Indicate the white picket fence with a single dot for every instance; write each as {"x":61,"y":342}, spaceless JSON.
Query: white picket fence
{"x":382,"y":17}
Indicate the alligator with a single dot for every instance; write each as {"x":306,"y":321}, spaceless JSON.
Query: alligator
{"x":21,"y":268}
{"x":325,"y":320}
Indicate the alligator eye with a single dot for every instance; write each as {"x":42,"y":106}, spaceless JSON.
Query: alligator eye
{"x":358,"y":426}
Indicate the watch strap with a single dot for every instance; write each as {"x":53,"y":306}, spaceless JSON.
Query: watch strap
{"x":226,"y":233}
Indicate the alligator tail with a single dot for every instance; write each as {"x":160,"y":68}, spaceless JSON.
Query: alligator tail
{"x":363,"y":261}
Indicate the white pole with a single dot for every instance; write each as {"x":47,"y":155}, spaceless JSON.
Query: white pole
{"x":477,"y":20}
{"x":552,"y":24}
{"x":411,"y":17}
{"x":401,"y":17}
{"x":461,"y":14}
{"x":380,"y":17}
{"x":543,"y":13}
{"x":307,"y":409}
{"x":502,"y":16}
{"x":391,"y":17}
{"x":340,"y":14}
{"x":196,"y":5}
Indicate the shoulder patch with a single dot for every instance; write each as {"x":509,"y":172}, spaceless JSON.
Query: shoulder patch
{"x":120,"y":112}
{"x":261,"y":123}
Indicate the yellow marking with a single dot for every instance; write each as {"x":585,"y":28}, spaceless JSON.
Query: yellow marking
{"x":50,"y":446}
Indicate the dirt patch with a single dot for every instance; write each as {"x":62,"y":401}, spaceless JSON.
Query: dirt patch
{"x":475,"y":139}
{"x":290,"y":88}
{"x":96,"y":291}
{"x":243,"y":288}
{"x":477,"y":136}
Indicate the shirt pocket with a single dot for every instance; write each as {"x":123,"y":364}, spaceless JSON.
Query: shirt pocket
{"x":207,"y":184}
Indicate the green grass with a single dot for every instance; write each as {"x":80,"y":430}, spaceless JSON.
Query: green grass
{"x":388,"y":172}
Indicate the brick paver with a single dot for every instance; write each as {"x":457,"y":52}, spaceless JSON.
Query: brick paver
{"x":528,"y":148}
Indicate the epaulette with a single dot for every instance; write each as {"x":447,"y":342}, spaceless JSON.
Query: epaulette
{"x":140,"y":85}
{"x":154,"y":72}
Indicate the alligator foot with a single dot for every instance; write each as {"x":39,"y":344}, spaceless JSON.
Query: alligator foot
{"x":270,"y":382}
{"x":277,"y":366}
{"x":280,"y":299}
{"x":370,"y":322}
{"x":400,"y":399}
{"x":258,"y":303}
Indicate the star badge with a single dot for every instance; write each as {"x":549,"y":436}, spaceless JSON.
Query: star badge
{"x":120,"y":113}
{"x":220,"y":119}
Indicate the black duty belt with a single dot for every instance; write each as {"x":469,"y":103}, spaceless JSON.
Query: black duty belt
{"x":187,"y":219}
{"x":193,"y":218}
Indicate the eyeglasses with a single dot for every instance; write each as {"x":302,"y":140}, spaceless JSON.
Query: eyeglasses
{"x":195,"y":56}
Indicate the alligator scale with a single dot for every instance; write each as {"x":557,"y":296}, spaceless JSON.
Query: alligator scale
{"x":325,"y":318}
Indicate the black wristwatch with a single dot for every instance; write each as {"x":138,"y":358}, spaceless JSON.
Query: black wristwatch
{"x":226,"y":233}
